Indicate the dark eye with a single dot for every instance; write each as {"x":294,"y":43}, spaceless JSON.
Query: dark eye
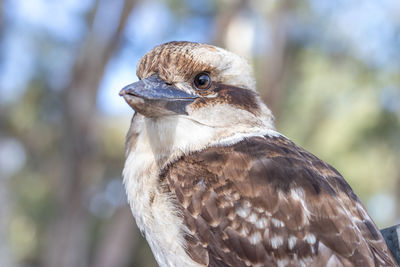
{"x":202,"y":81}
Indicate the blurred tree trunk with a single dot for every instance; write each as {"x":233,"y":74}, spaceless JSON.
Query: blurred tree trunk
{"x":6,"y":256}
{"x":273,"y":65}
{"x":67,"y":239}
{"x":120,"y":239}
{"x":224,"y":18}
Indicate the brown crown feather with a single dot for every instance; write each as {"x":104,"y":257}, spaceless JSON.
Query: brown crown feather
{"x":171,"y":58}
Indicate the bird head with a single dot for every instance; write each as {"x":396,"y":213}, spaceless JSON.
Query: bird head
{"x":203,"y":87}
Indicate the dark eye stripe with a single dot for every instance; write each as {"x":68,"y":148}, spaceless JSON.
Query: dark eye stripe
{"x":202,"y":81}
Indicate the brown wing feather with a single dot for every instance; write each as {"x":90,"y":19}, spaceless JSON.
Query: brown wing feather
{"x":266,"y":201}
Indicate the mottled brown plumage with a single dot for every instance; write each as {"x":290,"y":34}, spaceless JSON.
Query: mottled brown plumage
{"x":239,"y":197}
{"x":211,"y":183}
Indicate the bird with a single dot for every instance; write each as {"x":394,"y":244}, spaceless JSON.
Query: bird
{"x":211,"y":182}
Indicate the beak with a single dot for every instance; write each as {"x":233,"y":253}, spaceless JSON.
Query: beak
{"x":153,"y":97}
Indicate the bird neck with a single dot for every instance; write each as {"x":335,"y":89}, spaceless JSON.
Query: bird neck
{"x":169,"y":138}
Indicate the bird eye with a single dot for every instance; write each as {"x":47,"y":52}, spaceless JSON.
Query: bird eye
{"x":202,"y":81}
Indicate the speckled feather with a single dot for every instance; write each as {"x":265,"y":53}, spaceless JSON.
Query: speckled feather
{"x":267,"y":202}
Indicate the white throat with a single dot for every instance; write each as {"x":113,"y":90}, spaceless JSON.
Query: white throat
{"x":168,"y":138}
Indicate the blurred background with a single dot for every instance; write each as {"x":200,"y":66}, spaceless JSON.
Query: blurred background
{"x":329,"y":70}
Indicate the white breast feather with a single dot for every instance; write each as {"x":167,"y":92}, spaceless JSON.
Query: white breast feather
{"x":157,"y":220}
{"x":162,"y":228}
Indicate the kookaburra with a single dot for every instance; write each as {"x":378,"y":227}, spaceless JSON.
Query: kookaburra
{"x":211,"y":182}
